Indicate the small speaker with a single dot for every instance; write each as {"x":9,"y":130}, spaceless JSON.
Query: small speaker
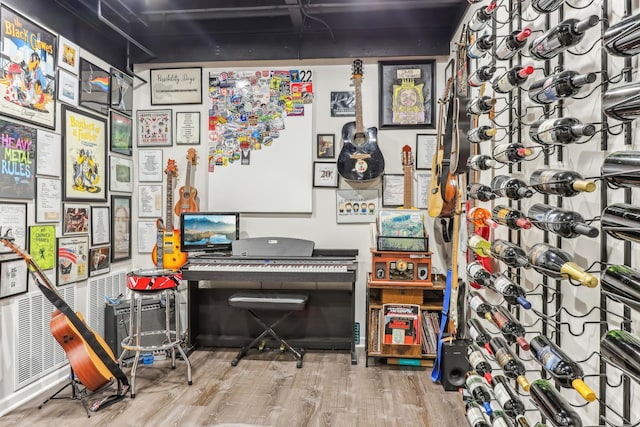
{"x":454,"y":364}
{"x":381,"y":270}
{"x":424,"y":272}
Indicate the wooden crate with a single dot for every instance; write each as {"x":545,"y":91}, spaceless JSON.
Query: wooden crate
{"x":402,"y":296}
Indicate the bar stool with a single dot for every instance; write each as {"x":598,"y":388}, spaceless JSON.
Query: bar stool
{"x":153,"y":283}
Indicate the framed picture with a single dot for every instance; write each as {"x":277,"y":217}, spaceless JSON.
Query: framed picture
{"x":154,"y":128}
{"x":426,"y":147}
{"x":121,"y":132}
{"x":147,"y":232}
{"x":68,"y":88}
{"x":343,"y":104}
{"x":100,"y":225}
{"x":188,"y":128}
{"x":392,"y":190}
{"x":99,"y":261}
{"x":18,"y":156}
{"x":354,"y":206}
{"x":150,"y":201}
{"x":121,"y":91}
{"x":14,"y":218}
{"x":42,"y":245}
{"x":407,"y":94}
{"x":73,"y":259}
{"x":121,"y":174}
{"x":85,"y":150}
{"x":75,"y":219}
{"x":150,"y":165}
{"x":68,"y":55}
{"x":325,"y":174}
{"x":49,"y":199}
{"x":22,"y":61}
{"x":170,"y":86}
{"x":14,"y":277}
{"x":94,"y":87}
{"x":49,"y":146}
{"x":423,"y":181}
{"x":326,"y":148}
{"x":121,"y":228}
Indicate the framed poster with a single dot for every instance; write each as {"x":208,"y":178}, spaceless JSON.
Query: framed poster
{"x":147,"y":232}
{"x":73,"y":259}
{"x":99,"y":261}
{"x":75,"y":219}
{"x":343,"y":104}
{"x":85,"y":149}
{"x":325,"y":174}
{"x":150,"y":201}
{"x":407,"y":94}
{"x":423,"y":182}
{"x":14,"y":277}
{"x":169,"y":86}
{"x":154,"y":128}
{"x":42,"y":245}
{"x":188,"y":128}
{"x":48,"y":146}
{"x":353,"y":206}
{"x":28,"y":61}
{"x":121,"y":174}
{"x":100,"y":225}
{"x":48,"y":199}
{"x":68,"y":88}
{"x":426,"y":147}
{"x":150,"y":165}
{"x":18,"y":155}
{"x":121,"y":133}
{"x":121,"y":91}
{"x":121,"y":228}
{"x":68,"y":55}
{"x":94,"y":87}
{"x":14,"y":218}
{"x":326,"y":148}
{"x":392,"y":190}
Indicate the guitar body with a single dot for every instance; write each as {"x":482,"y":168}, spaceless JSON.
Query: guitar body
{"x":434,"y":198}
{"x":172,"y":257}
{"x":187,"y":201}
{"x":360,"y":158}
{"x":449,"y":201}
{"x":88,"y":367}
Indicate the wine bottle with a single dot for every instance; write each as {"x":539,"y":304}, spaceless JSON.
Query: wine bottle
{"x":622,"y":221}
{"x":565,"y":130}
{"x":481,"y":134}
{"x":509,"y":253}
{"x":479,"y":389}
{"x":521,"y":421}
{"x":563,"y":222}
{"x":512,"y":330}
{"x":566,"y":34}
{"x":478,"y":304}
{"x":506,"y":397}
{"x":512,"y":44}
{"x":481,"y":217}
{"x":479,"y":245}
{"x":478,"y":274}
{"x":478,"y":362}
{"x":513,"y":152}
{"x":480,"y":192}
{"x":622,"y":283}
{"x":481,"y":162}
{"x":481,"y":46}
{"x":481,"y":105}
{"x":499,"y":419}
{"x":478,"y":333}
{"x":556,"y":263}
{"x":552,"y":405}
{"x":623,"y":38}
{"x":622,"y":169}
{"x":622,"y":102}
{"x":562,"y":85}
{"x":559,"y":182}
{"x":564,"y":371}
{"x":513,"y":294}
{"x":509,"y":362}
{"x":622,"y":349}
{"x":481,"y":75}
{"x":512,"y":78}
{"x":481,"y":17}
{"x":475,"y":416}
{"x":513,"y":188}
{"x":512,"y":218}
{"x":546,"y":6}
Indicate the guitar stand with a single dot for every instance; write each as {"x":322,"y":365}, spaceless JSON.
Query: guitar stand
{"x":77,"y":393}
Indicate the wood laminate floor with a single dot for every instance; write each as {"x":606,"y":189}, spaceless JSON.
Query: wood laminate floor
{"x":265,"y":389}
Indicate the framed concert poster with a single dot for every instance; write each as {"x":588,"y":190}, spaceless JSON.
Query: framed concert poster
{"x":94,"y":87}
{"x":73,"y":259}
{"x":42,"y":245}
{"x":121,"y":228}
{"x":407,"y":94}
{"x":28,"y":62}
{"x":121,"y":91}
{"x":426,"y":146}
{"x":326,"y":148}
{"x":68,"y":88}
{"x":85,"y":151}
{"x":18,"y":154}
{"x":170,"y":86}
{"x":121,"y":132}
{"x":154,"y":128}
{"x":100,"y":225}
{"x":99,"y":261}
{"x":68,"y":55}
{"x":75,"y":219}
{"x":14,"y":277}
{"x":355,"y":205}
{"x":14,"y":221}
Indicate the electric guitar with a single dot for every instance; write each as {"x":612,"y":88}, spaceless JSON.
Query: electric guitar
{"x":407,"y":169}
{"x":360,"y":158}
{"x":168,"y":255}
{"x":188,"y":193}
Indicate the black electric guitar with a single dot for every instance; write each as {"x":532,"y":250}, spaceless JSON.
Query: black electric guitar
{"x":360,"y":158}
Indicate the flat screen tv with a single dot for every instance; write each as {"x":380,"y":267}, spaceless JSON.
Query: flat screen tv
{"x":208,"y":231}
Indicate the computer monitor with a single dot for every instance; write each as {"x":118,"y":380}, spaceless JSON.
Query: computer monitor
{"x":208,"y":231}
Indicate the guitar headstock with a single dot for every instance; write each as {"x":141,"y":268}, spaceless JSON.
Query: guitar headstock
{"x":192,"y":156}
{"x":407,"y":156}
{"x":171,"y":169}
{"x":356,"y":69}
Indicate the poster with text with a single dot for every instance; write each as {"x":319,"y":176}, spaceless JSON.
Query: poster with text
{"x":73,"y":259}
{"x":42,"y":245}
{"x":18,"y":154}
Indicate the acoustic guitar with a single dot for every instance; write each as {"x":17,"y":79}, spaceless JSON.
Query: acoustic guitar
{"x":360,"y":158}
{"x":188,"y":194}
{"x":166,"y":253}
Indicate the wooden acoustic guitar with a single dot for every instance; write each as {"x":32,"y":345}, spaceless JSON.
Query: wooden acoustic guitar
{"x":188,"y":193}
{"x":168,"y":254}
{"x":360,"y":158}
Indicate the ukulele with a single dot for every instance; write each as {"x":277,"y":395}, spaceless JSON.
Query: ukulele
{"x":360,"y":158}
{"x":407,"y":169}
{"x":168,"y":254}
{"x":187,"y":201}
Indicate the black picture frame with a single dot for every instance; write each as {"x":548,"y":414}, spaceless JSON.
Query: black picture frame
{"x":120,"y":133}
{"x":407,"y":94}
{"x":16,"y":272}
{"x":326,"y":146}
{"x":94,"y":87}
{"x":120,"y":228}
{"x":121,"y":91}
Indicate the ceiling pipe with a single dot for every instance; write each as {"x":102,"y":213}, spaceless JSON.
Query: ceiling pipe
{"x":117,"y":29}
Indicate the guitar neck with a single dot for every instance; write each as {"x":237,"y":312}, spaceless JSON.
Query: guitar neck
{"x":408,"y":190}
{"x":169,"y":206}
{"x":357,"y":82}
{"x":187,"y":181}
{"x":35,"y":269}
